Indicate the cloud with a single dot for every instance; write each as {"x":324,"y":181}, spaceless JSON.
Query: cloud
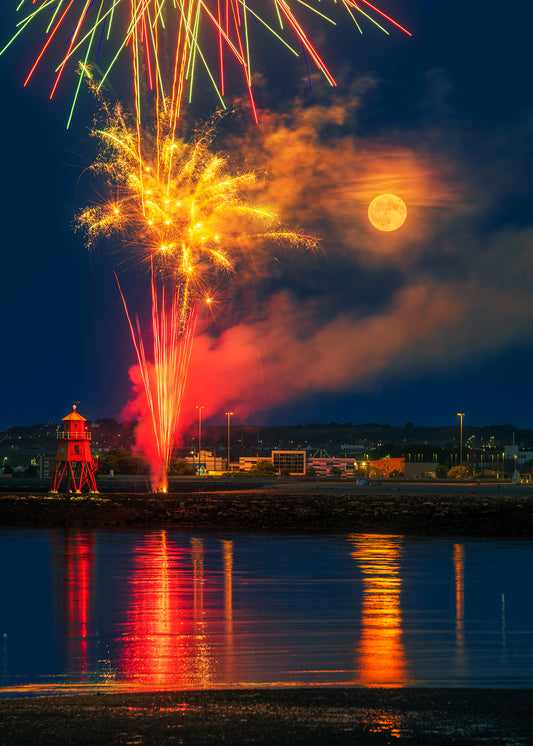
{"x":458,"y":286}
{"x":322,"y":177}
{"x":450,"y":287}
{"x":429,"y":326}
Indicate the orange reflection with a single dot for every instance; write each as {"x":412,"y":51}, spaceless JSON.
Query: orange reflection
{"x":459,"y":566}
{"x":381,"y":656}
{"x":74,"y":562}
{"x":165,"y":637}
{"x":227,"y":551}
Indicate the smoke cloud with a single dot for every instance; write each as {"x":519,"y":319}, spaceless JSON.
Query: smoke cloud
{"x":452,"y":285}
{"x":447,"y":288}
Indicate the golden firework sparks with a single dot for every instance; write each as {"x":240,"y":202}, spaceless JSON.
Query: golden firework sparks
{"x":176,"y":205}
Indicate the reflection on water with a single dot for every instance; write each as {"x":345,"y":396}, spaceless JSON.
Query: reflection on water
{"x":74,"y":556}
{"x":380,"y":655}
{"x":459,"y":567}
{"x":169,"y":609}
{"x":166,"y":636}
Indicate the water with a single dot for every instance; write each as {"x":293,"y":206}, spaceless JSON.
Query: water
{"x":137,"y":610}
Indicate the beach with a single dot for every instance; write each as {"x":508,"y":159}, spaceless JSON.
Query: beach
{"x":257,"y":716}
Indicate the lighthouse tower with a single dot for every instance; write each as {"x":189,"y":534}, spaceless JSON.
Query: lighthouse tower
{"x":74,"y":461}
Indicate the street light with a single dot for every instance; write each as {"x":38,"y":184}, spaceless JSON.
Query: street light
{"x":461,"y":415}
{"x":229,"y":415}
{"x":199,"y":407}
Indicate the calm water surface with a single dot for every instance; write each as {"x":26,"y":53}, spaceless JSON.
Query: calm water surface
{"x":153,"y":609}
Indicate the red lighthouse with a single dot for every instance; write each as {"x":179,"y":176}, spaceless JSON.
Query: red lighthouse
{"x":74,"y":461}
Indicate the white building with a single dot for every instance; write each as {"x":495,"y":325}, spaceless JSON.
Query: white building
{"x":324,"y":465}
{"x":521,"y":457}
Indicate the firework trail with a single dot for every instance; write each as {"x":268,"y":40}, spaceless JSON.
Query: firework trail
{"x":175,"y":204}
{"x":171,"y":41}
{"x":178,"y":207}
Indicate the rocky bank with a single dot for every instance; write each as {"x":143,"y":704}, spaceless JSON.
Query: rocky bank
{"x":472,"y":511}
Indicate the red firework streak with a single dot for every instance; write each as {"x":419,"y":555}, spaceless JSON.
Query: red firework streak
{"x":165,"y":379}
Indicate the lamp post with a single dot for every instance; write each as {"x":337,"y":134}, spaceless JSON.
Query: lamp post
{"x":199,"y":407}
{"x":228,"y":415}
{"x":461,"y":415}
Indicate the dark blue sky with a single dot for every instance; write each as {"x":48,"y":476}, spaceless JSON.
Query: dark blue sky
{"x":437,"y":321}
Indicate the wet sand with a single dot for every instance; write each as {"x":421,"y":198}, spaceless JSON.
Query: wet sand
{"x":287,"y":716}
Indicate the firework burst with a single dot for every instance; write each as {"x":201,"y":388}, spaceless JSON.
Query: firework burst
{"x":176,"y":205}
{"x":172,"y":40}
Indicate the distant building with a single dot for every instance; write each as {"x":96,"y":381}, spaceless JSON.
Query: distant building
{"x":47,"y":466}
{"x":521,"y":458}
{"x":383,"y":468}
{"x":248,"y":462}
{"x":357,"y":450}
{"x":323,"y":466}
{"x":206,"y":462}
{"x":420,"y":470}
{"x":292,"y":461}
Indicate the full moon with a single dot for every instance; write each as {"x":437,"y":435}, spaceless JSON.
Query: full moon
{"x":387,"y":212}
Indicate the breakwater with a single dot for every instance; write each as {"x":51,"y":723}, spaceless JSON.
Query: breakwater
{"x":461,"y":513}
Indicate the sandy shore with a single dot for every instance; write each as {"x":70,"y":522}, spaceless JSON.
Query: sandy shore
{"x":290,"y":716}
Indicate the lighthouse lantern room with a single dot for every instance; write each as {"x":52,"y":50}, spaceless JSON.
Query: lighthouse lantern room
{"x":74,"y":463}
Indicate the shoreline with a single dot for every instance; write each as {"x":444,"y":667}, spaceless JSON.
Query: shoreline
{"x":340,"y":715}
{"x":428,"y":509}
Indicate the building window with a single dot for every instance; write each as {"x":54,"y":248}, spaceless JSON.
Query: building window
{"x":293,"y":461}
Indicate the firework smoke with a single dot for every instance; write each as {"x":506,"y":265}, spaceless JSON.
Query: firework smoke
{"x":177,"y":207}
{"x":443,"y":290}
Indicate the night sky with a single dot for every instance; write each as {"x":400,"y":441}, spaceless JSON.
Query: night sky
{"x":416,"y":325}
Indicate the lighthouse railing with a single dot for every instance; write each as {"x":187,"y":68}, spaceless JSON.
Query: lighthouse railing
{"x":67,"y":435}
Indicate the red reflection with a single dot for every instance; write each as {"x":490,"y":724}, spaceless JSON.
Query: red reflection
{"x":459,"y":566}
{"x":165,"y":640}
{"x":74,"y":555}
{"x":381,"y":657}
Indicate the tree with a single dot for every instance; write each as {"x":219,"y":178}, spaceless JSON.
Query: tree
{"x":310,"y":472}
{"x":441,"y":471}
{"x":335,"y":471}
{"x":180,"y":467}
{"x":396,"y":474}
{"x":263,"y":468}
{"x":121,"y":461}
{"x":31,"y":470}
{"x":108,"y":463}
{"x":458,"y":472}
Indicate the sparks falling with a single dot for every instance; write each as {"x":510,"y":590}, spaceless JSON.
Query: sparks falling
{"x":177,"y":207}
{"x":173,"y":41}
